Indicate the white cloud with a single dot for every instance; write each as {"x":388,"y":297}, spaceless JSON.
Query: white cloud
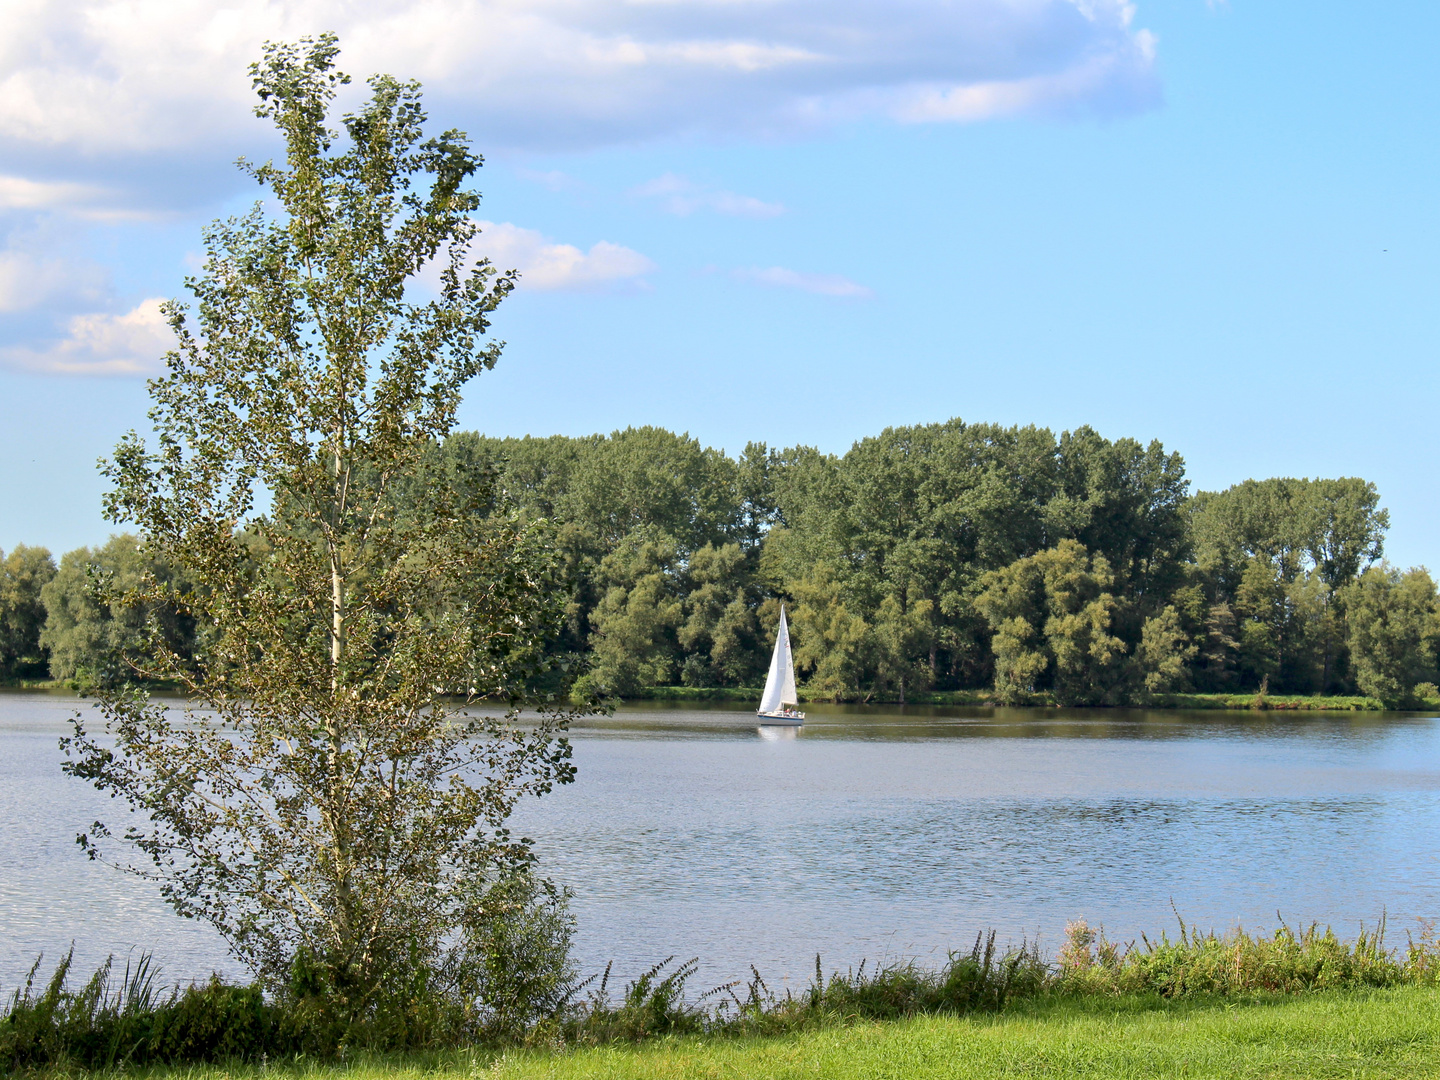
{"x":90,"y":202}
{"x":779,"y":277}
{"x":544,"y":264}
{"x":28,"y":280}
{"x":1058,"y":91}
{"x":86,"y":81}
{"x":98,"y":344}
{"x":18,"y":193}
{"x":677,"y":195}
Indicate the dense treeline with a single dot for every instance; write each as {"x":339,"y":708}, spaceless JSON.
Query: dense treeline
{"x":947,"y":556}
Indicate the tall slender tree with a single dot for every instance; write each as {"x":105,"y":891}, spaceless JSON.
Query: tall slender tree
{"x":325,"y":797}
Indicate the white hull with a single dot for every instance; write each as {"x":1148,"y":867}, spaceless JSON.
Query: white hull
{"x":781,"y":719}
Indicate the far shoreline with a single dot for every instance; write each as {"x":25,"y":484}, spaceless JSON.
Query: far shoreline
{"x":1237,"y":702}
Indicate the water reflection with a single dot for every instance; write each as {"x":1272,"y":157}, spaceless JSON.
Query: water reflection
{"x":890,"y":722}
{"x":882,"y":832}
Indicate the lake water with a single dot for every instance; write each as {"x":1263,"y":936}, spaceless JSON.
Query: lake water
{"x":877,"y":833}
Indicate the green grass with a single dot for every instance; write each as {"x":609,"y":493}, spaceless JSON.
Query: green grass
{"x":1284,"y":1004}
{"x":1380,"y":1033}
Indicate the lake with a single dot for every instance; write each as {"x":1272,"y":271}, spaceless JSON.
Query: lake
{"x":876,"y":832}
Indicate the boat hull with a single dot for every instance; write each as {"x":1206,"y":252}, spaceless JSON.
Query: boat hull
{"x":781,"y":719}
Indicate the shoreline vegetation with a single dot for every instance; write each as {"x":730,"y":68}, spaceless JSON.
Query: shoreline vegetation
{"x":1255,"y":702}
{"x":658,"y":1026}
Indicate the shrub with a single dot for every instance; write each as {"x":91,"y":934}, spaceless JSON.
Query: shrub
{"x":212,"y":1022}
{"x":514,"y":966}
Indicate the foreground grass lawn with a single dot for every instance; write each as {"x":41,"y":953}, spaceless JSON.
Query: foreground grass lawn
{"x":1343,"y":1035}
{"x":1393,"y":1033}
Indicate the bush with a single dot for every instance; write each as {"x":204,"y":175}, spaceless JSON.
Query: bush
{"x":213,"y":1022}
{"x":514,"y":965}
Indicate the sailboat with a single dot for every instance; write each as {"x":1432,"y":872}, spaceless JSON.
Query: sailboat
{"x":780,"y":704}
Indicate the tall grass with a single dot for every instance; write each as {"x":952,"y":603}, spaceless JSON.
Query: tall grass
{"x":111,"y":1022}
{"x":987,"y":979}
{"x":1237,"y":962}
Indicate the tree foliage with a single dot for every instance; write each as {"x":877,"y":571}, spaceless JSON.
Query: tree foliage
{"x":324,"y":801}
{"x":1054,"y":613}
{"x":1394,"y":631}
{"x":676,"y":558}
{"x":24,"y":573}
{"x":89,"y":628}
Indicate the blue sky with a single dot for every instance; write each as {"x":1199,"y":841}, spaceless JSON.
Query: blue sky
{"x":792,"y":221}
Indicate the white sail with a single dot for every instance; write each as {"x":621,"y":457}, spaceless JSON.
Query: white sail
{"x":780,"y":683}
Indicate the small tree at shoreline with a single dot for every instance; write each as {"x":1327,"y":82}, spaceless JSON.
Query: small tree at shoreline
{"x":324,"y":801}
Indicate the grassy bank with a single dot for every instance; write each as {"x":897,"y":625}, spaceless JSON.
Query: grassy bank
{"x":131,"y":1022}
{"x":1374,"y":1034}
{"x":1278,"y":702}
{"x":1357,"y":1033}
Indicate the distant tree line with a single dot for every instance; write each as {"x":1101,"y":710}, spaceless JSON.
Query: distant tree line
{"x":944,"y":556}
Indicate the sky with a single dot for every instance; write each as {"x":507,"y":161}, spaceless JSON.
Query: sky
{"x":793,"y":221}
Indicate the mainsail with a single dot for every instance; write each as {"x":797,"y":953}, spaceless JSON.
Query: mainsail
{"x":780,"y":683}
